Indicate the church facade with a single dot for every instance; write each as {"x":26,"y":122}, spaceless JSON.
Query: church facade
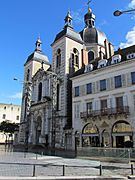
{"x":52,"y":115}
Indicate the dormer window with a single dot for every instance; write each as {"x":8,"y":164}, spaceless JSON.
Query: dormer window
{"x":102,"y":63}
{"x":88,"y":68}
{"x":131,"y":56}
{"x":116,"y":59}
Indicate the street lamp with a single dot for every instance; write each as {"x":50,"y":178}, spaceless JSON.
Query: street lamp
{"x":27,"y":95}
{"x":118,"y":12}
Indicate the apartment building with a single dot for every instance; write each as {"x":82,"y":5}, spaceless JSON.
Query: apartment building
{"x":103,"y":102}
{"x":11,"y":113}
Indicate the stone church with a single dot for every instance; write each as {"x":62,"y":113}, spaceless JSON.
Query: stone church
{"x":46,"y":117}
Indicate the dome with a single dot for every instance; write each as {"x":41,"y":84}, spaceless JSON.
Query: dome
{"x":89,"y":15}
{"x":92,"y":35}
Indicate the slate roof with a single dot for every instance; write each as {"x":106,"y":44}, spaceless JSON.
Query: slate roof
{"x":38,"y":56}
{"x":123,"y":52}
{"x":68,"y":32}
{"x":92,"y":35}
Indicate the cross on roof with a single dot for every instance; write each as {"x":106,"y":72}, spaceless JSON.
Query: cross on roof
{"x":42,"y":63}
{"x":89,"y":1}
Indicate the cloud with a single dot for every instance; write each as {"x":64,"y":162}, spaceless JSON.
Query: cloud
{"x":18,"y":95}
{"x":130,"y":39}
{"x":132,"y":4}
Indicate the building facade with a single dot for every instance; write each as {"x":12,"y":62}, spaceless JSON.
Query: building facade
{"x":104,"y":101}
{"x":11,"y":113}
{"x":86,"y":94}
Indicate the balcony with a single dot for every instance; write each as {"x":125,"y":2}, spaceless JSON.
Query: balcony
{"x":123,"y":110}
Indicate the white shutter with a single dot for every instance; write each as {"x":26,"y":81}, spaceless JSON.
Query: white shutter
{"x":97,"y":89}
{"x":134,"y":101}
{"x":128,"y":79}
{"x":93,"y":87}
{"x":123,"y":79}
{"x":125,"y":100}
{"x":112,"y":85}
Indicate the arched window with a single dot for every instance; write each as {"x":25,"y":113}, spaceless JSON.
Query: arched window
{"x":28,"y":75}
{"x":39,"y":91}
{"x":75,"y":57}
{"x":58,"y":58}
{"x":90,"y":56}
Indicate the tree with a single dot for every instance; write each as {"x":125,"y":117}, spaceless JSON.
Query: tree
{"x":8,"y":128}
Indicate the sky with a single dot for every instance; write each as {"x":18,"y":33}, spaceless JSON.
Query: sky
{"x":22,"y":21}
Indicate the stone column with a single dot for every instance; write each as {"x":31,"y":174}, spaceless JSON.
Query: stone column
{"x":30,"y":140}
{"x":42,"y":138}
{"x":101,"y":138}
{"x":110,"y":139}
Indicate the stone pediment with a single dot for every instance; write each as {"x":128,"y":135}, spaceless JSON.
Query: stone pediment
{"x":39,"y":74}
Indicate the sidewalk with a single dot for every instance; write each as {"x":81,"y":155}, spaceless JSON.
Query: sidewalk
{"x":17,"y":165}
{"x":65,"y":178}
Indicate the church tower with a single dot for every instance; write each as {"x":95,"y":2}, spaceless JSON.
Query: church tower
{"x":66,"y":59}
{"x":32,"y":65}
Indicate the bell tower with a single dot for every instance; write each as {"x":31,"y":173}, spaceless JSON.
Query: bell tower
{"x":66,"y":55}
{"x":31,"y":66}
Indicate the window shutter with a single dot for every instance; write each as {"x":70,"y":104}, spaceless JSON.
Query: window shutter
{"x":108,"y":84}
{"x":112,"y":83}
{"x":93,"y":87}
{"x":83,"y":90}
{"x":97,"y":86}
{"x":134,"y":101}
{"x":125,"y":100}
{"x":128,"y":79}
{"x":123,"y":79}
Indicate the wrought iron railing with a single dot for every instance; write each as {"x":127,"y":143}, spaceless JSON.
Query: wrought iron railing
{"x":106,"y":112}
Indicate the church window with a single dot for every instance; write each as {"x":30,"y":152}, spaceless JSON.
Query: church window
{"x":39,"y":91}
{"x":4,"y":116}
{"x":17,"y":117}
{"x":90,"y":56}
{"x":75,"y":57}
{"x":58,"y":58}
{"x":28,"y":75}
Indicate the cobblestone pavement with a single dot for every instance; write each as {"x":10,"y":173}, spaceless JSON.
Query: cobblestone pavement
{"x":22,"y":165}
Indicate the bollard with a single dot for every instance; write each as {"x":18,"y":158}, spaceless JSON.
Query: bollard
{"x":36,"y":156}
{"x":132,"y":169}
{"x":63,"y":170}
{"x":100,"y":169}
{"x":34,"y":168}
